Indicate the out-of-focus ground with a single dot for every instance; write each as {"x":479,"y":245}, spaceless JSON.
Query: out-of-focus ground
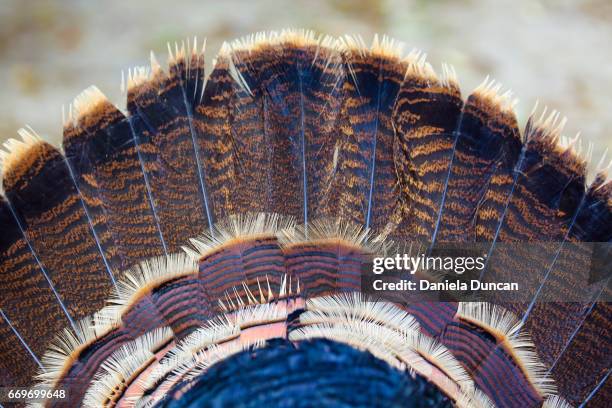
{"x":557,"y":51}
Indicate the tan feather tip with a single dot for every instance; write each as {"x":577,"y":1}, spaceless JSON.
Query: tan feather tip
{"x":178,"y":55}
{"x":299,"y":37}
{"x":573,"y":154}
{"x":255,"y":41}
{"x":387,"y":47}
{"x":15,"y":150}
{"x":193,"y":47}
{"x":490,"y":90}
{"x":136,"y":76}
{"x":418,"y":67}
{"x":87,"y":102}
{"x":305,"y":39}
{"x":547,"y":126}
{"x":352,"y":44}
{"x":604,"y":165}
{"x":449,"y":76}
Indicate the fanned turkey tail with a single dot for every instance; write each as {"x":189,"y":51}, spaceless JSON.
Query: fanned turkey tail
{"x":218,"y":229}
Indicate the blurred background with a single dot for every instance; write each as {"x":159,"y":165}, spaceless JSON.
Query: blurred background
{"x":554,"y":51}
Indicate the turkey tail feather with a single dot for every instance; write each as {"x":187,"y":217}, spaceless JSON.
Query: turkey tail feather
{"x":101,"y":151}
{"x":57,"y":227}
{"x":364,"y":186}
{"x":26,"y":290}
{"x":425,"y":117}
{"x":161,"y":108}
{"x":487,"y":145}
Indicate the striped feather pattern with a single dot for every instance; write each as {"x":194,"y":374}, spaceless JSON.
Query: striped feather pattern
{"x":258,"y":262}
{"x":425,"y":116}
{"x":58,"y":229}
{"x":162,"y":113}
{"x":26,"y":295}
{"x":101,"y":149}
{"x":487,"y":140}
{"x":17,"y":366}
{"x":215,"y":122}
{"x":364,"y":185}
{"x":594,"y":359}
{"x":324,"y":268}
{"x":359,"y":145}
